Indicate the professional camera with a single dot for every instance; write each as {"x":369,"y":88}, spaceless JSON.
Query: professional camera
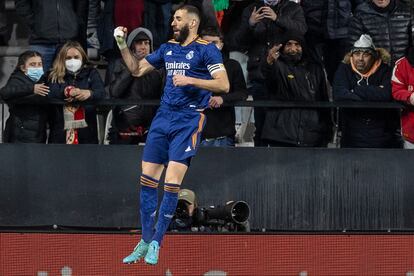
{"x":231,"y":217}
{"x":232,"y":211}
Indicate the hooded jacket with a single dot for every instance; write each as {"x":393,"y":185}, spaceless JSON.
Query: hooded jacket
{"x":389,"y":30}
{"x":257,"y":39}
{"x":132,"y":36}
{"x":366,"y":127}
{"x":125,"y":86}
{"x":302,"y":81}
{"x":27,"y":122}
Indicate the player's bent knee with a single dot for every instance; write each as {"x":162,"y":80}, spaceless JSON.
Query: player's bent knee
{"x":175,"y":172}
{"x":152,"y":169}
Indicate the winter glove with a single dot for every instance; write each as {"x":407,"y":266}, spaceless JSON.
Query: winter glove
{"x":120,"y":37}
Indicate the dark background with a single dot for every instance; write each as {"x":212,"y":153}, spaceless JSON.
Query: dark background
{"x":287,"y":188}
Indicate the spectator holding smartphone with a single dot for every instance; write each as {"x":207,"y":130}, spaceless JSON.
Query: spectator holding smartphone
{"x":263,"y":24}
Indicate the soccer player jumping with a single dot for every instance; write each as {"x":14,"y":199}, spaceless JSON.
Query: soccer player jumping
{"x":194,"y":69}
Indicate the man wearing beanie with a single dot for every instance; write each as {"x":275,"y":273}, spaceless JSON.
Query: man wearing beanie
{"x":292,"y":76}
{"x":365,"y":76}
{"x":388,"y":22}
{"x":402,"y":90}
{"x":130,"y":123}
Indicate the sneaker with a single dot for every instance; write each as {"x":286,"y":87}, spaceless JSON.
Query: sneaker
{"x":139,"y":251}
{"x":152,"y":254}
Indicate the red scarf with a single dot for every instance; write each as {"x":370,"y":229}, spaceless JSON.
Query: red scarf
{"x":74,"y":118}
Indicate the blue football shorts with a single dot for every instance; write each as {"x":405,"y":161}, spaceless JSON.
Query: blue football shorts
{"x":174,"y":135}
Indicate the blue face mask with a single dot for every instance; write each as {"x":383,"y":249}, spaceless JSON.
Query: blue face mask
{"x":35,"y":73}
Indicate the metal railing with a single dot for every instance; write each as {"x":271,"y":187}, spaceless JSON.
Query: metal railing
{"x":106,"y":104}
{"x":275,"y":104}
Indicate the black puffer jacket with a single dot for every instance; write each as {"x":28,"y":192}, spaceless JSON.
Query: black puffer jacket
{"x":27,"y":122}
{"x":302,"y":82}
{"x":389,"y":30}
{"x":54,"y":21}
{"x":259,"y":38}
{"x":329,"y":19}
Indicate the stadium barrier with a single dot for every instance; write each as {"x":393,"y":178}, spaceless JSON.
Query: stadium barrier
{"x":209,"y":255}
{"x":288,"y":189}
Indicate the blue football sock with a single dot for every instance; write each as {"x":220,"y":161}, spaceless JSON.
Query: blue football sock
{"x":148,"y":206}
{"x":167,"y":210}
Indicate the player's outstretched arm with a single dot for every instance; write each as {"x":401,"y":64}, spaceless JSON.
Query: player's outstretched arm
{"x":219,"y":83}
{"x":135,"y":66}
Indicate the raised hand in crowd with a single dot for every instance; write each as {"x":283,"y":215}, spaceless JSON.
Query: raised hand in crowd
{"x":120,"y":34}
{"x":41,"y":89}
{"x":273,"y":54}
{"x":268,"y":12}
{"x":256,"y":16}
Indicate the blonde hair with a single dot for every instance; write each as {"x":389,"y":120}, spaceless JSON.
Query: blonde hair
{"x":58,"y":71}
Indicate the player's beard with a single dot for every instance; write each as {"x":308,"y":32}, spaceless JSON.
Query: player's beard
{"x":182,"y":34}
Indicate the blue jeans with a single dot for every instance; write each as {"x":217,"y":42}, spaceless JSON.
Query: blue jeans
{"x":48,"y":52}
{"x":218,"y":142}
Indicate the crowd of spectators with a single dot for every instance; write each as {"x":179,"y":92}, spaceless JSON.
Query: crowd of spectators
{"x":297,"y":51}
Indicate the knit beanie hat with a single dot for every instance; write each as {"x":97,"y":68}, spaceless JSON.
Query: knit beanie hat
{"x":293,"y":35}
{"x":364,"y":44}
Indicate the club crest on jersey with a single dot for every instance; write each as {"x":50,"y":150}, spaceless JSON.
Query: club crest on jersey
{"x":190,"y":55}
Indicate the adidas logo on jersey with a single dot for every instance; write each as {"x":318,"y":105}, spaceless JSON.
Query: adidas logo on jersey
{"x":188,"y":149}
{"x":169,"y":53}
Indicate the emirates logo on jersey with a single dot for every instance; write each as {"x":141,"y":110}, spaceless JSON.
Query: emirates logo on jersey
{"x":190,"y":55}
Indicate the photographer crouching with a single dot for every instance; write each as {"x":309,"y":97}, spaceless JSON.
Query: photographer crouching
{"x":231,"y":217}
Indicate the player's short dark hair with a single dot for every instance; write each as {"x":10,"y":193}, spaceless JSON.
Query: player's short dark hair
{"x":190,"y":9}
{"x":211,"y":31}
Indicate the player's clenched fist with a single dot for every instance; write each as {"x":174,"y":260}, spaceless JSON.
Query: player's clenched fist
{"x":120,"y":34}
{"x":181,"y":80}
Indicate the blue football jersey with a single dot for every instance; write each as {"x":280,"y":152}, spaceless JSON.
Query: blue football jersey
{"x":199,"y":59}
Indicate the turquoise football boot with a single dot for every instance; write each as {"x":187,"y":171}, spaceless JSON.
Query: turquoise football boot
{"x":153,"y":253}
{"x":139,"y":252}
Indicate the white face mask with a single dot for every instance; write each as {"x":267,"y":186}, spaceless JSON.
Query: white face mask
{"x":271,"y":2}
{"x":73,"y":65}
